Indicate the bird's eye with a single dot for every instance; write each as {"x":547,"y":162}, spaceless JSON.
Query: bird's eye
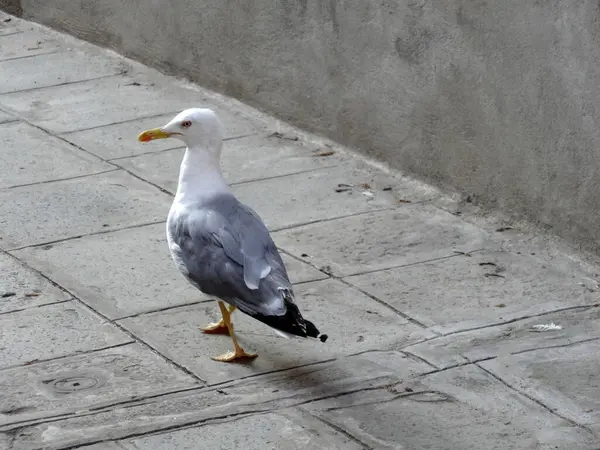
{"x":186,"y":124}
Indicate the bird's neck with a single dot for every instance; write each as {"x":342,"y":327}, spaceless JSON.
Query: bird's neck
{"x":200,"y":176}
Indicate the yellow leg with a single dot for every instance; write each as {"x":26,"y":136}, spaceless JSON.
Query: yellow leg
{"x":239,"y":352}
{"x":218,"y":327}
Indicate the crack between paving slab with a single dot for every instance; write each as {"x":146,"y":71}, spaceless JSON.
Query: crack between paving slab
{"x":489,"y":358}
{"x":93,"y":410}
{"x":164,"y":150}
{"x":341,"y":431}
{"x":15,"y":58}
{"x":454,"y":366}
{"x":165,"y":430}
{"x":345,"y":216}
{"x":383,"y":303}
{"x":140,"y":341}
{"x":117,"y":325}
{"x":416,"y":263}
{"x":418,"y":358}
{"x":66,"y":83}
{"x":71,"y":238}
{"x":274,"y":177}
{"x":160,"y":310}
{"x":570,"y":344}
{"x":247,"y":377}
{"x":110,"y":230}
{"x":533,"y":399}
{"x":139,"y":402}
{"x":166,"y":191}
{"x":334,"y":277}
{"x":57,"y":302}
{"x":531,"y":316}
{"x":405,"y":353}
{"x":95,"y":127}
{"x":387,"y":400}
{"x":70,"y":355}
{"x":12,"y":33}
{"x":584,"y":308}
{"x":75,"y":177}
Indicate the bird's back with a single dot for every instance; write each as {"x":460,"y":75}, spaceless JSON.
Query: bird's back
{"x":224,"y":249}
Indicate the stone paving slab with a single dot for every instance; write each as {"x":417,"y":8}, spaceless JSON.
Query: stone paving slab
{"x":101,"y":102}
{"x":328,"y":303}
{"x":131,"y":271}
{"x":565,"y":379}
{"x":33,"y":156}
{"x":5,"y":117}
{"x":243,"y":160}
{"x":81,"y":382}
{"x":578,"y":325}
{"x":23,"y":288}
{"x":47,"y":212}
{"x":288,"y":429}
{"x":262,"y":394}
{"x":451,"y":410}
{"x":103,"y":446}
{"x":482,"y":289}
{"x":35,"y":334}
{"x":5,"y":441}
{"x":7,"y":25}
{"x":120,"y":140}
{"x":27,"y":44}
{"x":371,"y":242}
{"x":23,"y":73}
{"x":310,"y":197}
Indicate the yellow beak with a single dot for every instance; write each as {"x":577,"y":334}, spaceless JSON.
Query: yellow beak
{"x":154,"y":133}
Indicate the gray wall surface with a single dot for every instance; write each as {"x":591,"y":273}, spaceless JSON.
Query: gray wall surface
{"x":498,"y":99}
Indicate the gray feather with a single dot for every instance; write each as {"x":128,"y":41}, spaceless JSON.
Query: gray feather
{"x":226,"y":251}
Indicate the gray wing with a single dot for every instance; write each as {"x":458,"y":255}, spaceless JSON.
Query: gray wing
{"x":228,"y":253}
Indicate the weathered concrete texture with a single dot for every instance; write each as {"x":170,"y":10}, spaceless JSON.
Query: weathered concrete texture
{"x":262,"y":394}
{"x":99,"y":379}
{"x":577,"y":325}
{"x":491,"y":416}
{"x":478,"y":289}
{"x":549,"y":375}
{"x":114,"y":281}
{"x":99,"y":102}
{"x":390,"y":238}
{"x":494,"y":101}
{"x":246,"y":159}
{"x":286,"y":430}
{"x":176,"y":333}
{"x":71,"y":208}
{"x":17,"y":44}
{"x":22,"y":73}
{"x":22,"y":288}
{"x":5,"y":117}
{"x":35,"y":334}
{"x":119,"y":140}
{"x":33,"y":156}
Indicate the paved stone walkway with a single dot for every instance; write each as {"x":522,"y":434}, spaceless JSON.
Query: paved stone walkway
{"x":430,"y":308}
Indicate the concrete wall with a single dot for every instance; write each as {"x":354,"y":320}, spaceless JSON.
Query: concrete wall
{"x":498,"y":99}
{"x":11,"y":6}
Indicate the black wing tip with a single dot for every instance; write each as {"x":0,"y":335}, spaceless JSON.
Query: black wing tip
{"x":323,"y":337}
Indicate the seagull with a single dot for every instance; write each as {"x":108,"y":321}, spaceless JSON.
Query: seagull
{"x":220,"y":245}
